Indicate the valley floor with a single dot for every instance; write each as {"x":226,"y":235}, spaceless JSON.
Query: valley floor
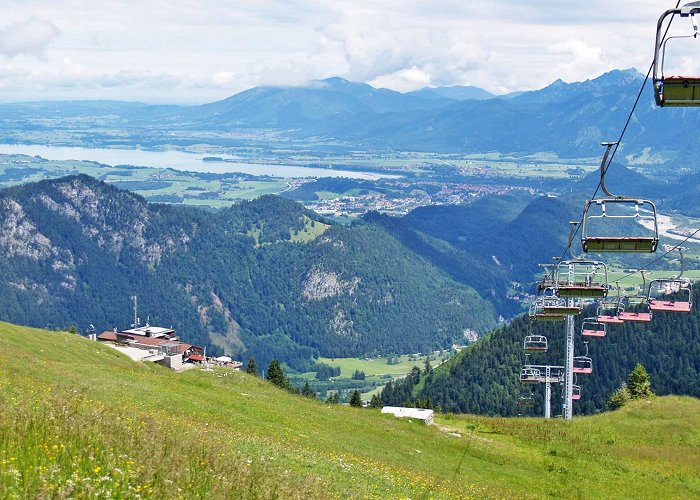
{"x":81,"y":420}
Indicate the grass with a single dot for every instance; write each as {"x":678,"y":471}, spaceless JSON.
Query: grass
{"x":376,"y":366}
{"x":80,"y":420}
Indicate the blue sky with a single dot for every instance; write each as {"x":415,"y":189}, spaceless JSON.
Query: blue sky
{"x":189,"y":51}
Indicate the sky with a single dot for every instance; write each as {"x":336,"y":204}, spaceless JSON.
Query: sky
{"x":196,"y":51}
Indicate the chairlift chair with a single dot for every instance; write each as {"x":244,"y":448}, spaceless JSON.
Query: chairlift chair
{"x":525,"y":400}
{"x":638,"y":310}
{"x":609,"y":312}
{"x":671,"y":295}
{"x":583,"y":364}
{"x":591,"y":327}
{"x":541,"y":310}
{"x":557,"y":306}
{"x":576,"y":392}
{"x":674,"y":90}
{"x":529,"y":375}
{"x":601,"y":216}
{"x":535,"y":343}
{"x":581,"y":278}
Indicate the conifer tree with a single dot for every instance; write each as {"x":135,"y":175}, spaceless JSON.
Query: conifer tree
{"x":275,"y":374}
{"x":376,"y":401}
{"x":619,"y":398}
{"x":638,"y":383}
{"x":307,"y":392}
{"x":356,"y":399}
{"x":252,"y":368}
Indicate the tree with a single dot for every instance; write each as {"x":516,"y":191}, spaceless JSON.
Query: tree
{"x":356,"y":399}
{"x":334,"y":398}
{"x":307,"y":392}
{"x":638,"y":383}
{"x":275,"y":374}
{"x":376,"y":401}
{"x":358,"y":375}
{"x":251,"y":368}
{"x":428,"y":369}
{"x":73,"y":330}
{"x":619,"y":398}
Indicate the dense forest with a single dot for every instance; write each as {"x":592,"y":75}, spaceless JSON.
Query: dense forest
{"x":484,"y":377}
{"x":266,"y":278}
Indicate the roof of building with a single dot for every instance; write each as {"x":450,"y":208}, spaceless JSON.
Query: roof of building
{"x":174,"y":346}
{"x":153,"y":331}
{"x":107,"y":336}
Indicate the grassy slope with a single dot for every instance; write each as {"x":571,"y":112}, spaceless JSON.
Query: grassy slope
{"x":79,"y":419}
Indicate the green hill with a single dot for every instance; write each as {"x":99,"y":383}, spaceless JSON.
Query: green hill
{"x":80,"y":420}
{"x":266,"y":278}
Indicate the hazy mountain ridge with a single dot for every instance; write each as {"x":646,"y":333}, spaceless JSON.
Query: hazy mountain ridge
{"x":569,"y":119}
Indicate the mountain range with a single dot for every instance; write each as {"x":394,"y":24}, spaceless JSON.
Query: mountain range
{"x":568,"y":119}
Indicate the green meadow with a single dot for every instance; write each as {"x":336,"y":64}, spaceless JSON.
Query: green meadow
{"x":78,"y":419}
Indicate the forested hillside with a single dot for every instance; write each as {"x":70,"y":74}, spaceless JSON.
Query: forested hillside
{"x":484,"y":378}
{"x":265,"y":278}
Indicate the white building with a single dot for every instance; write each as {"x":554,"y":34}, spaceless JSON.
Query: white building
{"x":426,"y":416}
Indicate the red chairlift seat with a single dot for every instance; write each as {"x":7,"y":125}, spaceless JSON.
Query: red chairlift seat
{"x":576,"y":392}
{"x":610,"y":314}
{"x":639,"y":310}
{"x":635,"y":316}
{"x":669,"y":306}
{"x":583,"y":364}
{"x":670,"y":295}
{"x":591,"y":327}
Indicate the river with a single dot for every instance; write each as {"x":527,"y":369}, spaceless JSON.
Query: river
{"x":180,"y":160}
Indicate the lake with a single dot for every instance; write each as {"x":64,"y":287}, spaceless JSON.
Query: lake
{"x":180,"y":160}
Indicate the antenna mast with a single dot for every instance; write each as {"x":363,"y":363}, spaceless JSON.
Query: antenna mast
{"x":135,"y":301}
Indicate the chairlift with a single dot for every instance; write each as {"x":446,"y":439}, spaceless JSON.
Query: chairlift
{"x":674,"y":90}
{"x":535,"y":343}
{"x":583,"y":364}
{"x":638,"y":308}
{"x":591,"y":327}
{"x":547,"y":281}
{"x":530,"y":375}
{"x":576,"y":392}
{"x":609,"y":311}
{"x":635,"y":217}
{"x":581,"y":278}
{"x":673,"y":294}
{"x":557,"y":306}
{"x":525,"y":401}
{"x":545,"y":308}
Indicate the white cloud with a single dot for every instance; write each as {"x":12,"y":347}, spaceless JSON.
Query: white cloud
{"x":32,"y":37}
{"x":579,"y":60}
{"x":200,"y":50}
{"x":403,"y":80}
